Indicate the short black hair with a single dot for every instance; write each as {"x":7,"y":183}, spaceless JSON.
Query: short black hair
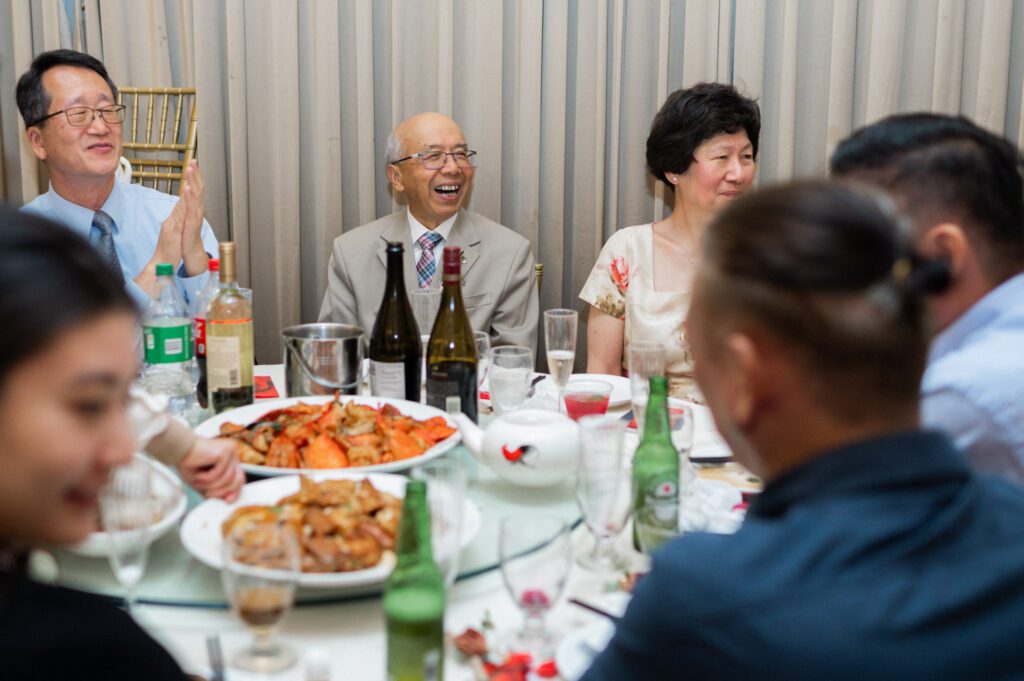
{"x":829,"y":270}
{"x":54,"y":280}
{"x":693,"y":115}
{"x":945,"y":168}
{"x":33,"y":100}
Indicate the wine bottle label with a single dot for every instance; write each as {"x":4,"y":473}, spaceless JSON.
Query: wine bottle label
{"x":387,"y":379}
{"x":167,"y":344}
{"x":200,"y":323}
{"x":223,"y":362}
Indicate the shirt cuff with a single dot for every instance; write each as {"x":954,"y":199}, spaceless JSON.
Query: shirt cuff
{"x":173,"y":444}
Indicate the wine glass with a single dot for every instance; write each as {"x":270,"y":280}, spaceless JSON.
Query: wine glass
{"x":603,"y":490}
{"x":560,"y":340}
{"x":425,"y":303}
{"x":127,"y":511}
{"x":535,"y":560}
{"x":446,"y":490}
{"x":511,"y":369}
{"x":483,"y":356}
{"x":644,"y":359}
{"x":260,"y":570}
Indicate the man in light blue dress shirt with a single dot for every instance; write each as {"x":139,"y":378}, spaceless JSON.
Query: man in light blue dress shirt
{"x":961,"y":187}
{"x":73,"y":123}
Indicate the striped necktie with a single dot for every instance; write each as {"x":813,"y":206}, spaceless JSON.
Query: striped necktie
{"x":427,"y":266}
{"x":104,"y":224}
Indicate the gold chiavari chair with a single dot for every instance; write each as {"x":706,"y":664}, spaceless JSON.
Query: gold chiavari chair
{"x":159,"y":134}
{"x":538,"y":274}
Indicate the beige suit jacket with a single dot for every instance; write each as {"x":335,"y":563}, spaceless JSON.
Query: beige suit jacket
{"x":498,"y":286}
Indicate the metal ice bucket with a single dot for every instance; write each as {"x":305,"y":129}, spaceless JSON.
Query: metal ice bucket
{"x":320,"y":359}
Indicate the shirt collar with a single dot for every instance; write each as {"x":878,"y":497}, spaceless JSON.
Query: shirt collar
{"x":417,"y":229}
{"x":893,"y":460}
{"x":981,"y":314}
{"x":79,"y":218}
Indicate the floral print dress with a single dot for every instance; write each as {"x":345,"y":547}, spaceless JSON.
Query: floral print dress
{"x":622,"y":285}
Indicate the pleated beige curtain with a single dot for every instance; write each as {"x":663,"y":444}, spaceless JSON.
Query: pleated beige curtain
{"x":296,"y":98}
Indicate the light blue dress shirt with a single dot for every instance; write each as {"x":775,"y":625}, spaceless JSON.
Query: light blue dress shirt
{"x":137,"y":212}
{"x":973,"y":388}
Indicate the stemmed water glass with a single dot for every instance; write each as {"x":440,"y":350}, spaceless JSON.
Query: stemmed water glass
{"x":127,"y":511}
{"x":644,"y":359}
{"x":560,"y":340}
{"x":535,"y":559}
{"x":260,"y":570}
{"x":446,"y":490}
{"x":483,"y":356}
{"x":511,"y":369}
{"x":603,"y":490}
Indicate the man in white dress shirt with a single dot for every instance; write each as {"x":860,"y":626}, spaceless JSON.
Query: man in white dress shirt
{"x":961,"y":187}
{"x":430,"y":164}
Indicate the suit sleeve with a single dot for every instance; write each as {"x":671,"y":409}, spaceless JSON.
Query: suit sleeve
{"x":515,"y":314}
{"x":339,"y":300}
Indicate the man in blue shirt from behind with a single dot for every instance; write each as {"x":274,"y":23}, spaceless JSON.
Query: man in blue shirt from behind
{"x":961,"y":187}
{"x":874,"y":551}
{"x":73,"y":123}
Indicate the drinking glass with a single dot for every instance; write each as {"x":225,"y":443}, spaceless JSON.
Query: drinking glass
{"x":644,"y":359}
{"x":260,"y":569}
{"x":446,"y":490}
{"x":603,"y":490}
{"x":511,"y":369}
{"x":127,"y":511}
{"x":560,"y":340}
{"x":587,"y":397}
{"x":535,"y":559}
{"x":483,"y":356}
{"x":425,"y":303}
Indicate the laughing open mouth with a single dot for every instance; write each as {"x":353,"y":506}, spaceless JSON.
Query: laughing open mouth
{"x":447,"y":191}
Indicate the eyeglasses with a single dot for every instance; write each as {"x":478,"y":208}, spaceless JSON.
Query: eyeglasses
{"x":82,"y":116}
{"x":435,"y":160}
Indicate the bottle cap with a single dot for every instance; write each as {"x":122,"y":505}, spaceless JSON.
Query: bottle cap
{"x":164,"y":269}
{"x":395,"y":247}
{"x":452,"y":259}
{"x":214,"y":264}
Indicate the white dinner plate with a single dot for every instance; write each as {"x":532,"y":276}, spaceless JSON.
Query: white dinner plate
{"x":254,"y":412}
{"x":201,"y":531}
{"x":169,"y":493}
{"x":580,"y":646}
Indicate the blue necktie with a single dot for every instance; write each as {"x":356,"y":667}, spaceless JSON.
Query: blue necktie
{"x":104,"y":224}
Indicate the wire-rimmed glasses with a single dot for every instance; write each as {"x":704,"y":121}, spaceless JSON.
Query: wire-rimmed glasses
{"x":435,"y":160}
{"x":83,"y":116}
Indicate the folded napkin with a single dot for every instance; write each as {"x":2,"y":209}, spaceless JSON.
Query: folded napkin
{"x":708,"y":505}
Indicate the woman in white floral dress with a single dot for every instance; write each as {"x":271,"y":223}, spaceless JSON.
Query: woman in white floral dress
{"x":703,"y":146}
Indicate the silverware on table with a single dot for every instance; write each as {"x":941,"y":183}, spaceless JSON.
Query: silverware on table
{"x":533,"y":385}
{"x":216,"y":655}
{"x":594,"y":609}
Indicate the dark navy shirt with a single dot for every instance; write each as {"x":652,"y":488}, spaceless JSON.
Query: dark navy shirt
{"x":887,"y":559}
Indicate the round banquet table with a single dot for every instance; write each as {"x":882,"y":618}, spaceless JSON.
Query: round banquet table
{"x":181,"y":600}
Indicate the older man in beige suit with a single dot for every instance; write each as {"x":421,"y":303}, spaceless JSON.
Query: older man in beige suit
{"x":431,"y":165}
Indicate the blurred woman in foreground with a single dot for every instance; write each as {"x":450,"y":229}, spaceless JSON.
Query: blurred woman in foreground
{"x":66,"y":366}
{"x":703,"y":146}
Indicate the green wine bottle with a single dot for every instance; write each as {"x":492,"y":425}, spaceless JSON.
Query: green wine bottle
{"x":395,"y":340}
{"x":656,"y":467}
{"x":414,"y":597}
{"x":451,"y":351}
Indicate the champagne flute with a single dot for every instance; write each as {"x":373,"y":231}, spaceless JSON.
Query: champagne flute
{"x":535,"y":559}
{"x":644,"y":359}
{"x":560,"y":340}
{"x":127,"y":511}
{"x":260,"y":570}
{"x":446,"y":490}
{"x":483,"y":356}
{"x":603,"y":490}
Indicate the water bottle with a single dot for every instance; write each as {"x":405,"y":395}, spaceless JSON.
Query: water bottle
{"x":167,"y":345}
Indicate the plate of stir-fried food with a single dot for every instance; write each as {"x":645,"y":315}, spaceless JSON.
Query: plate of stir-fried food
{"x":280,"y":437}
{"x":346,"y":523}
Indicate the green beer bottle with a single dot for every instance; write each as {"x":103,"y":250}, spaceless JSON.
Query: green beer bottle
{"x":656,"y":466}
{"x":414,"y":597}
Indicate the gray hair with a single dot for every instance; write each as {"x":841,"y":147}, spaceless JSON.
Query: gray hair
{"x":393,"y":148}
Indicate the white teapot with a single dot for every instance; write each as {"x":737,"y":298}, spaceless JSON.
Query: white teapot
{"x":529,"y":447}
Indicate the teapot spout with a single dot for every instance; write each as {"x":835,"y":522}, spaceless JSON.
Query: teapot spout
{"x":472,"y":435}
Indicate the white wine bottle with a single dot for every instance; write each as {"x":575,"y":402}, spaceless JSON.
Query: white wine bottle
{"x":229,"y":349}
{"x":451,"y":351}
{"x":395,"y":340}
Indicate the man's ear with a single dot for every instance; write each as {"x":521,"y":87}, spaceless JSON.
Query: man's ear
{"x":395,"y":178}
{"x":747,"y":380}
{"x":35,"y":138}
{"x":948,"y":242}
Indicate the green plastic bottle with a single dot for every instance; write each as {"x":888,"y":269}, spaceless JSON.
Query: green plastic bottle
{"x":656,"y":466}
{"x":414,"y":597}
